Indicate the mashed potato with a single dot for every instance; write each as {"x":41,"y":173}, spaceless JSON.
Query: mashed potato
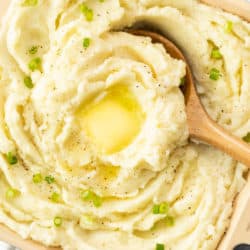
{"x":93,"y":134}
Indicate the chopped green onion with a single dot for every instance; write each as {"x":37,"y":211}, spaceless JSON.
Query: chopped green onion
{"x":159,"y":247}
{"x":169,"y":221}
{"x":87,"y":220}
{"x":37,"y":178}
{"x":87,"y":195}
{"x":246,"y":138}
{"x":87,"y":12}
{"x":83,"y":8}
{"x":160,"y":208}
{"x":57,"y":221}
{"x":215,"y":54}
{"x":35,"y":64}
{"x":33,"y":50}
{"x":28,"y":82}
{"x":86,"y":42}
{"x":97,"y":201}
{"x":55,"y":197}
{"x":101,"y":1}
{"x":50,"y":179}
{"x":182,"y":81}
{"x":11,"y":158}
{"x":89,"y":15}
{"x":214,"y":74}
{"x":30,"y":2}
{"x":156,"y":209}
{"x":229,"y":26}
{"x":12,"y":193}
{"x":164,"y":207}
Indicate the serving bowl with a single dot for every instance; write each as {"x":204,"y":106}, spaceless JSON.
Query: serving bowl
{"x":239,"y":229}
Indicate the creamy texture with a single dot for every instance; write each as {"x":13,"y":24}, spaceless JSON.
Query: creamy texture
{"x":130,"y":149}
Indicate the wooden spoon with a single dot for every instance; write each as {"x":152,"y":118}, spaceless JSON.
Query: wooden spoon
{"x":201,"y":126}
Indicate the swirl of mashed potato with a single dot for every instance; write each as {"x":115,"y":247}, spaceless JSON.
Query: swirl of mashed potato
{"x":93,"y":132}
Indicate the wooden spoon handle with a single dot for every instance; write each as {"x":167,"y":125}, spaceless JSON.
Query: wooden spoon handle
{"x":238,"y":7}
{"x":211,"y":133}
{"x":230,"y":144}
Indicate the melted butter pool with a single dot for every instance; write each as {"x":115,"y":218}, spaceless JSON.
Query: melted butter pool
{"x":113,"y":121}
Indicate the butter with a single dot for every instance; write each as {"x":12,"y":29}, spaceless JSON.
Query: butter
{"x":113,"y":121}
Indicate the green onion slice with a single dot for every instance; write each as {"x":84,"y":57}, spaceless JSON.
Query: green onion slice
{"x":214,"y":74}
{"x":246,"y":138}
{"x":58,"y":221}
{"x":49,"y":179}
{"x":164,"y":207}
{"x":159,"y":246}
{"x":156,"y":209}
{"x":12,"y":193}
{"x":37,"y":178}
{"x":97,"y":201}
{"x":55,"y":197}
{"x":170,"y":221}
{"x":88,"y":220}
{"x":215,"y":54}
{"x":28,"y":82}
{"x":86,"y":42}
{"x":182,"y":81}
{"x":87,"y":12}
{"x":160,"y":208}
{"x":35,"y":64}
{"x":88,"y":195}
{"x":229,"y":26}
{"x":33,"y":50}
{"x":11,"y":158}
{"x":30,"y":3}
